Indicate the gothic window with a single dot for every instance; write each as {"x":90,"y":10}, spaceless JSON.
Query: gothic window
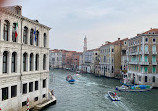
{"x":37,"y":37}
{"x":37,"y":62}
{"x":31,"y":62}
{"x":5,"y":60}
{"x":44,"y":40}
{"x":13,"y":32}
{"x":13,"y":68}
{"x":25,"y":33}
{"x":24,"y":61}
{"x":6,"y":30}
{"x":44,"y":62}
{"x":31,"y":37}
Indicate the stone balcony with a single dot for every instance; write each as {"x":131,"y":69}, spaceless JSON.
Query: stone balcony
{"x":154,"y":52}
{"x":144,"y":63}
{"x":146,"y":52}
{"x":154,"y":63}
{"x":133,"y":62}
{"x":134,"y":53}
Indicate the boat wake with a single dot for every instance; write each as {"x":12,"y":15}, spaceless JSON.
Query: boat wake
{"x":119,"y":104}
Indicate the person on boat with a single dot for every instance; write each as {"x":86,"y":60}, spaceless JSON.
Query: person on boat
{"x":115,"y":94}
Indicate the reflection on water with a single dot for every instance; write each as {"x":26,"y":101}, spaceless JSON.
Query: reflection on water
{"x":89,"y":93}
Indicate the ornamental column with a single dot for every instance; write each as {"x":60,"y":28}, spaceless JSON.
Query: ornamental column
{"x":1,"y":30}
{"x":1,"y":61}
{"x":10,"y":33}
{"x":9,"y":63}
{"x":28,"y":36}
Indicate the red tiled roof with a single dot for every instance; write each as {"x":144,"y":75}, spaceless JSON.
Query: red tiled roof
{"x":151,"y":31}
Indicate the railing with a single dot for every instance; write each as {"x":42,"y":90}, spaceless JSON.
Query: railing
{"x":133,"y":62}
{"x":154,"y":63}
{"x":154,"y":52}
{"x":144,"y":63}
{"x":146,"y":52}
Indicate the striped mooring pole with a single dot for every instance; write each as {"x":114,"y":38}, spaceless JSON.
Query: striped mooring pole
{"x":28,"y":104}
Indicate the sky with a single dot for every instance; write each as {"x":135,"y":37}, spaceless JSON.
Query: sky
{"x":98,"y":20}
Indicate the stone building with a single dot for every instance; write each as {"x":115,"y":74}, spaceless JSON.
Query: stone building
{"x":89,"y":58}
{"x":24,"y":60}
{"x":110,"y":57}
{"x":142,"y":57}
{"x":55,"y":58}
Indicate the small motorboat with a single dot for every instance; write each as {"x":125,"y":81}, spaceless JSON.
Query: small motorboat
{"x":70,"y":79}
{"x":135,"y":88}
{"x":113,"y":96}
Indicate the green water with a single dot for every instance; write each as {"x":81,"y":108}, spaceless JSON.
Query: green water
{"x":89,"y":93}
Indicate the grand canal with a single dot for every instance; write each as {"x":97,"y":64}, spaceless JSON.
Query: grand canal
{"x":89,"y":93}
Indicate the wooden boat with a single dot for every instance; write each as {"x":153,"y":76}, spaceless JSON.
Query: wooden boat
{"x":135,"y":88}
{"x":113,"y":96}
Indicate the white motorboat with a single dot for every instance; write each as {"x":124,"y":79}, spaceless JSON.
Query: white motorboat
{"x":113,"y":96}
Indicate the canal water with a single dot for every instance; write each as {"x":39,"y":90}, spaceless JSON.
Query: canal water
{"x":89,"y":93}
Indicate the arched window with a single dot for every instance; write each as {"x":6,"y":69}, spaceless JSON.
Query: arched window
{"x":6,"y":30}
{"x":5,"y":61}
{"x":153,"y":78}
{"x":24,"y":61}
{"x":25,"y":33}
{"x":37,"y":37}
{"x":37,"y":62}
{"x":31,"y":37}
{"x":44,"y":40}
{"x":44,"y":62}
{"x":13,"y":32}
{"x":31,"y":62}
{"x":13,"y":68}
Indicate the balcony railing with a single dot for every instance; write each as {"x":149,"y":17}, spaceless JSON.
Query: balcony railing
{"x":134,"y":53}
{"x":154,"y":52}
{"x":133,"y":62}
{"x":154,"y":63}
{"x":146,"y":52}
{"x":144,"y":63}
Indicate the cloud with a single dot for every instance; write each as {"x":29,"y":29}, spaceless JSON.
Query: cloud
{"x":100,"y":20}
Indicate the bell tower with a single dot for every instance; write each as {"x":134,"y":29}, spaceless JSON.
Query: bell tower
{"x":85,"y":44}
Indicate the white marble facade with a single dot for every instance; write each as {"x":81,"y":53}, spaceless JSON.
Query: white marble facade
{"x":22,"y":64}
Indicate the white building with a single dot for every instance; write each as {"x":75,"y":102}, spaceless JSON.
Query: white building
{"x":55,"y":58}
{"x":24,"y":61}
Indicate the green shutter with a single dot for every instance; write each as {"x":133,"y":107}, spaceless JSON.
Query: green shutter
{"x":146,"y":58}
{"x":154,"y":69}
{"x":154,"y":59}
{"x":146,"y":69}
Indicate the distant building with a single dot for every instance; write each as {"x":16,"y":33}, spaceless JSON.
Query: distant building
{"x":24,"y":60}
{"x":89,"y":60}
{"x":55,"y":58}
{"x":64,"y":59}
{"x":142,"y":57}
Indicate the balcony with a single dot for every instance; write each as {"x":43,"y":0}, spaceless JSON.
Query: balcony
{"x":144,"y":63}
{"x":133,"y":62}
{"x":140,"y":52}
{"x":134,"y":53}
{"x":146,"y":52}
{"x":154,"y":52}
{"x":154,"y":63}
